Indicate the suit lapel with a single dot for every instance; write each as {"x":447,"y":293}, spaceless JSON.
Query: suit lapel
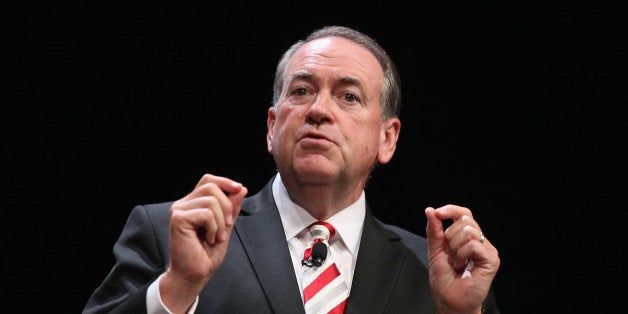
{"x":377,"y":265}
{"x":265,"y":243}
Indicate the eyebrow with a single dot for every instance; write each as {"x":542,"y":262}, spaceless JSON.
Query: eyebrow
{"x":301,"y":75}
{"x":308,"y":76}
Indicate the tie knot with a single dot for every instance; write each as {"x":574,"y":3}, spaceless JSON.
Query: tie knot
{"x":321,"y":229}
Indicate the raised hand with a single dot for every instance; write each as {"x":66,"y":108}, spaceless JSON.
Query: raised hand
{"x":463,"y":263}
{"x":200,"y":228}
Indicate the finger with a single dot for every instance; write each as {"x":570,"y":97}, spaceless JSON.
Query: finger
{"x":468,"y":237}
{"x":214,"y":189}
{"x":462,"y":230}
{"x":434,"y":229}
{"x":226,"y":197}
{"x":472,"y":251}
{"x":236,"y":200}
{"x":230,"y":192}
{"x":225,"y":184}
{"x":193,"y":220}
{"x":454,"y":234}
{"x":206,"y":178}
{"x":220,"y":205}
{"x":215,"y":218}
{"x":453,"y":212}
{"x":212,"y":227}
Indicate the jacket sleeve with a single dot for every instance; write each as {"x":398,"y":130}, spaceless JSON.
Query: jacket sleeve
{"x":139,"y":260}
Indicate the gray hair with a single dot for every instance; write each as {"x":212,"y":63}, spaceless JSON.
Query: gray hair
{"x":390,"y":102}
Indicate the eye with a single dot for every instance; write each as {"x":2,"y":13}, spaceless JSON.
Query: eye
{"x":300,"y":91}
{"x":351,"y":97}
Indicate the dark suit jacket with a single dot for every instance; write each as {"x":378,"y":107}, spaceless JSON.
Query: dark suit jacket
{"x":257,"y":275}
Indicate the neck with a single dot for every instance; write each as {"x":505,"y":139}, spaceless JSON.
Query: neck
{"x":323,"y":201}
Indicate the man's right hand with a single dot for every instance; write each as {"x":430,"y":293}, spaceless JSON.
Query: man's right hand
{"x":200,"y":227}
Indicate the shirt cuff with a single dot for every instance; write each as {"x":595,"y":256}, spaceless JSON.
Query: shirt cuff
{"x":154,"y":304}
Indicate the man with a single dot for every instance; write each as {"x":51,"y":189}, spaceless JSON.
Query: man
{"x":334,"y":118}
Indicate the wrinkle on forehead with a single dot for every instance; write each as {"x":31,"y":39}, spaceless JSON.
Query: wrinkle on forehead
{"x":332,"y":51}
{"x":340,"y":57}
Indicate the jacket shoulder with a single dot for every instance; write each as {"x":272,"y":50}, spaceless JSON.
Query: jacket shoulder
{"x":414,"y":242}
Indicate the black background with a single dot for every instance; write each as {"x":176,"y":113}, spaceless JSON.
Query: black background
{"x":517,"y":111}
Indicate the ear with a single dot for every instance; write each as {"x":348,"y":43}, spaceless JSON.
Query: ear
{"x":270,"y":125}
{"x":389,"y":135}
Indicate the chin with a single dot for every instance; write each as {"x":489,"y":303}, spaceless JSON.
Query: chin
{"x":315,"y":171}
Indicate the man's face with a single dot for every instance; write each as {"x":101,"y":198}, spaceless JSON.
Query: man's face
{"x":327,"y":125}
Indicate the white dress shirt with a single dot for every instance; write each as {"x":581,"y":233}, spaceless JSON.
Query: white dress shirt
{"x":295,"y":220}
{"x":344,"y":246}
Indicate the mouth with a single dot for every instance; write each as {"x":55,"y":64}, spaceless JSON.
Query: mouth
{"x":316,"y":136}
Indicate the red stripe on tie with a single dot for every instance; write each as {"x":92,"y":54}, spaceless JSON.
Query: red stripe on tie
{"x":321,"y":281}
{"x":339,"y":309}
{"x":327,"y":225}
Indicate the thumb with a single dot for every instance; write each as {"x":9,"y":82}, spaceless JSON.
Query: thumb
{"x":434,"y":229}
{"x":236,"y":199}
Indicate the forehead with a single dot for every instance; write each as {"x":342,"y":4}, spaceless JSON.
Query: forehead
{"x":336,"y":56}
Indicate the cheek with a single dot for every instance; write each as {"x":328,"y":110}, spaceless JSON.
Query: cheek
{"x":281,"y":133}
{"x":368,"y":145}
{"x":376,"y":139}
{"x":288,"y":119}
{"x":370,"y":149}
{"x":285,"y":113}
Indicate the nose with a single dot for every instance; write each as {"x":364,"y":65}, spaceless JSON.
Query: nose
{"x":320,"y":111}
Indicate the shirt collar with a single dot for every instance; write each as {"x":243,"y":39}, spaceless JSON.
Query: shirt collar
{"x":348,"y":222}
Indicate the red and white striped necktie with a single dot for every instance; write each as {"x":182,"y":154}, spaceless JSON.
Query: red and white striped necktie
{"x":325,"y":290}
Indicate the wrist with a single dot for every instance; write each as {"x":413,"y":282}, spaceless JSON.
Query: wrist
{"x":176,"y":293}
